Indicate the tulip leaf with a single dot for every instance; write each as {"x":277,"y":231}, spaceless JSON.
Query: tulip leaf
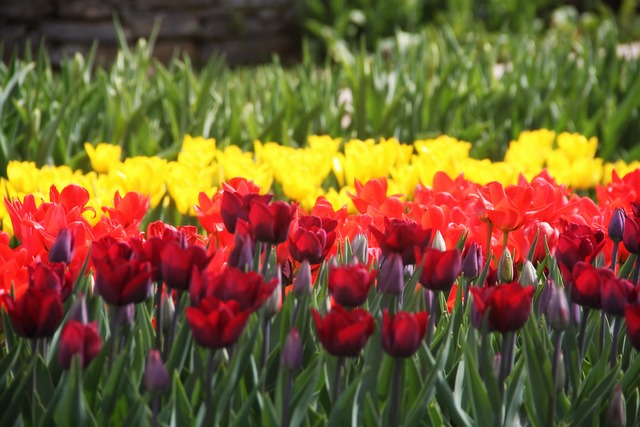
{"x":180,"y":348}
{"x":631,"y":378}
{"x":625,"y":270}
{"x":114,"y":384}
{"x":71,"y":408}
{"x":304,"y":388}
{"x":11,"y":399}
{"x":479,"y":397}
{"x":539,"y":370}
{"x":347,"y":407}
{"x":371,"y":415}
{"x":9,"y":335}
{"x":269,"y":416}
{"x":515,"y":394}
{"x":7,"y":362}
{"x":44,"y":384}
{"x":182,"y":413}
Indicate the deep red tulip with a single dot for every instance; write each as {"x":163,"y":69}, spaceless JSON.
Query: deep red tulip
{"x":586,"y":284}
{"x":36,"y":314}
{"x":78,"y":339}
{"x":349,"y":284}
{"x":121,"y":277}
{"x":578,"y":243}
{"x":54,"y":276}
{"x":248,"y":289}
{"x":632,"y":317}
{"x":178,"y":263}
{"x":616,"y":225}
{"x":440,"y":269}
{"x":631,"y":234}
{"x":344,"y":333}
{"x":235,"y":206}
{"x":509,"y":305}
{"x":270,"y":222}
{"x":472,"y":261}
{"x":216,"y":324}
{"x":403,"y":333}
{"x":402,"y":237}
{"x":311,"y":239}
{"x":616,"y":294}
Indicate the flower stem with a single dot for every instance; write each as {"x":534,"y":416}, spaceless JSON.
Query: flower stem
{"x":603,"y":324}
{"x":115,"y":334}
{"x":208,"y":381}
{"x":488,"y":248}
{"x":557,"y":349}
{"x":614,"y":256}
{"x":395,"y":391}
{"x":617,"y":325}
{"x":508,"y":344}
{"x":266,"y":340}
{"x":159,"y":319}
{"x":265,"y":262}
{"x":582,"y":335}
{"x":286,"y":397}
{"x":154,"y":410}
{"x":336,"y":380}
{"x":169,"y":339}
{"x":434,"y":311}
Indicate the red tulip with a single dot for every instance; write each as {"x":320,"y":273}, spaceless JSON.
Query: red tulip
{"x":440,"y":269}
{"x":36,"y":314}
{"x":248,"y":289}
{"x":235,"y":206}
{"x":403,"y":333}
{"x":504,"y":207}
{"x":344,"y":333}
{"x":78,"y":339}
{"x":121,"y":277}
{"x":349,"y":285}
{"x":402,"y":237}
{"x":270,"y":222}
{"x":216,"y":324}
{"x":51,"y":276}
{"x":632,"y":316}
{"x":578,"y":243}
{"x":631,"y":234}
{"x":616,"y":294}
{"x":177,"y":264}
{"x":311,"y":239}
{"x":509,"y":305}
{"x":586,"y":283}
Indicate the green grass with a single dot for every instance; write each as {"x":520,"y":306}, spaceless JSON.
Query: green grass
{"x":413,"y":86}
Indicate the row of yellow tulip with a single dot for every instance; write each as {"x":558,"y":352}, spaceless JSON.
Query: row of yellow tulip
{"x":301,"y":172}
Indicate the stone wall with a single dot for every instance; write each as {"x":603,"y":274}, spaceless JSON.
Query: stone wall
{"x":244,"y":31}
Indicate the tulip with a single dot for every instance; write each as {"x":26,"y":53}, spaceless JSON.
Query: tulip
{"x":586,"y":284}
{"x":344,"y":333}
{"x":616,"y":293}
{"x":391,"y":275}
{"x":241,"y":255}
{"x":578,"y":243}
{"x":472,"y":261}
{"x":216,"y":324}
{"x":509,"y":305}
{"x":312,"y":238}
{"x":505,"y":267}
{"x":616,"y":225}
{"x":528,"y":276}
{"x":291,"y":358}
{"x":178,"y":263}
{"x":270,"y":222}
{"x":156,"y":377}
{"x":438,"y":242}
{"x":302,"y":282}
{"x":36,"y":314}
{"x":349,"y":285}
{"x":403,"y":333}
{"x":632,"y":317}
{"x":81,"y":340}
{"x":440,"y":269}
{"x":360,"y":248}
{"x":402,"y":237}
{"x":63,"y":247}
{"x":631,"y":234}
{"x":235,"y":206}
{"x":617,"y":410}
{"x":558,"y":312}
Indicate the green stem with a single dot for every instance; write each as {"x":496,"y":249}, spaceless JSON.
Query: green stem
{"x":115,"y":334}
{"x":336,"y":379}
{"x":434,"y":311}
{"x":209,"y":380}
{"x":286,"y":397}
{"x":169,"y":338}
{"x":267,"y":255}
{"x":488,"y":248}
{"x":554,"y":374}
{"x":266,"y":340}
{"x":614,"y":256}
{"x":159,"y":319}
{"x":617,"y":325}
{"x":582,"y":335}
{"x":395,"y":391}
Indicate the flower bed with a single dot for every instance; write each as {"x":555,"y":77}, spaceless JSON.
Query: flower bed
{"x":464,"y":301}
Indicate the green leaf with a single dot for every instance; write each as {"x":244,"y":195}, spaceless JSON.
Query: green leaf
{"x":11,"y":399}
{"x":71,"y":409}
{"x":182,"y":414}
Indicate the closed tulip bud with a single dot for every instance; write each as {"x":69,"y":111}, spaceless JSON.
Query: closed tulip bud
{"x":561,"y":373}
{"x":126,"y":314}
{"x":616,"y":225}
{"x":273,"y":304}
{"x":438,"y":242}
{"x":302,"y":281}
{"x":497,"y":362}
{"x":528,"y":276}
{"x":472,"y":262}
{"x":291,"y":357}
{"x":617,"y":411}
{"x":156,"y":377}
{"x":558,"y":312}
{"x":576,"y":314}
{"x":78,"y":310}
{"x":505,"y":267}
{"x":79,"y":340}
{"x":360,"y":248}
{"x":391,"y":275}
{"x":242,"y":254}
{"x":63,"y":247}
{"x":168,"y":311}
{"x":548,"y":291}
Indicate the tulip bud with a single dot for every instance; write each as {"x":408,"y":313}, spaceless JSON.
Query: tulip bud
{"x":438,"y":242}
{"x":561,"y":373}
{"x":126,"y":314}
{"x":528,"y":276}
{"x":168,"y":312}
{"x":548,"y":291}
{"x":558,"y":312}
{"x":505,"y":267}
{"x":497,"y":364}
{"x":391,"y":275}
{"x":472,"y":262}
{"x":360,"y":248}
{"x":428,"y":298}
{"x":617,"y":411}
{"x":63,"y":247}
{"x":291,"y":357}
{"x":273,"y":304}
{"x":156,"y":377}
{"x":576,"y":314}
{"x":302,"y":281}
{"x":616,"y":225}
{"x":78,"y":310}
{"x":241,"y":255}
